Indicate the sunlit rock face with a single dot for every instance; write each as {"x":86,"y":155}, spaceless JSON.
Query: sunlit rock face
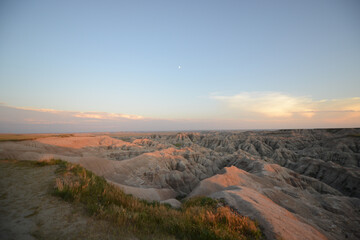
{"x":298,"y":184}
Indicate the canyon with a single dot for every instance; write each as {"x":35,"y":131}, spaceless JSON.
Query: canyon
{"x":297,"y":184}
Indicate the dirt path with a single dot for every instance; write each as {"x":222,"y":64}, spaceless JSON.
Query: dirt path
{"x":28,"y":211}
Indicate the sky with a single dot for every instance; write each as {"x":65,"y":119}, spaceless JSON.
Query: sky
{"x":80,"y":66}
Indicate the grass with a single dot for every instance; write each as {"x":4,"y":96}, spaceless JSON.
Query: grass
{"x":354,"y":135}
{"x":15,"y":137}
{"x":25,"y":137}
{"x":43,"y":163}
{"x":199,"y":218}
{"x":49,"y":162}
{"x":178,"y":145}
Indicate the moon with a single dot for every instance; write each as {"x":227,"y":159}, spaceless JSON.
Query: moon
{"x":179,"y":67}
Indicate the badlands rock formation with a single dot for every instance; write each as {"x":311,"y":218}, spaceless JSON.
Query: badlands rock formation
{"x":298,"y":184}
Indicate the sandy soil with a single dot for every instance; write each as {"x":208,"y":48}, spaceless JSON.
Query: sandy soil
{"x":28,"y":211}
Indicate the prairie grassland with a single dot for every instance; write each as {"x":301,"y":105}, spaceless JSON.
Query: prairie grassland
{"x":24,"y":137}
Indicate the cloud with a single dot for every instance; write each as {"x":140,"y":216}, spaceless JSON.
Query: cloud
{"x":86,"y":115}
{"x":38,"y":109}
{"x":340,"y":105}
{"x":259,"y":110}
{"x":106,"y":116}
{"x":33,"y":120}
{"x":280,"y":105}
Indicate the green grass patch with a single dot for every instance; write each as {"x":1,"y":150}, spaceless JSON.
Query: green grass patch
{"x":354,"y":135}
{"x":49,"y":162}
{"x":205,"y":202}
{"x":199,"y":218}
{"x":42,"y":163}
{"x":178,"y":145}
{"x":18,"y":139}
{"x":30,"y":163}
{"x":26,"y":137}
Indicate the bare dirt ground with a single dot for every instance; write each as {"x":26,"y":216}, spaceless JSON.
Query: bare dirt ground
{"x":29,"y":211}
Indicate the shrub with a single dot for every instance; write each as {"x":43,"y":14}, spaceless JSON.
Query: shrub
{"x":49,"y":162}
{"x":178,"y":145}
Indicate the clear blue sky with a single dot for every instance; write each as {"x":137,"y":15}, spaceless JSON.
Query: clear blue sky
{"x":124,"y":56}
